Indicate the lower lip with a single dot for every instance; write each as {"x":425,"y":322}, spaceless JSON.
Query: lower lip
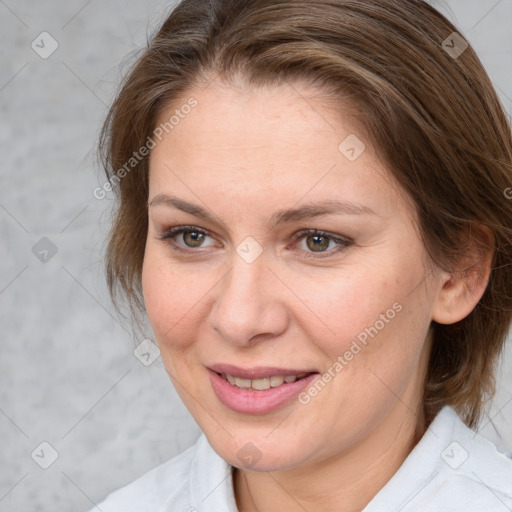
{"x":257,"y":402}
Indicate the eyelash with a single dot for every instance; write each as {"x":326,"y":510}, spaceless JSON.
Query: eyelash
{"x":344,"y":243}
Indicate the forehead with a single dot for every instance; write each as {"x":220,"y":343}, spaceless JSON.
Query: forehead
{"x":245,"y":116}
{"x":284,"y":138}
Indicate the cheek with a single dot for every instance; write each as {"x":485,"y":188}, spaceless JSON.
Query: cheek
{"x":346,"y":304}
{"x":373,"y":318}
{"x":381,"y":357}
{"x":170,"y":299}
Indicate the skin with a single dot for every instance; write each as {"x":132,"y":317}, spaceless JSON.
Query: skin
{"x":243,"y":154}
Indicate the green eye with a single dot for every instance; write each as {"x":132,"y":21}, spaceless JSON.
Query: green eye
{"x":192,"y":237}
{"x":317,"y":242}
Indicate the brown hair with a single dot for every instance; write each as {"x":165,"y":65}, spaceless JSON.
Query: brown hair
{"x":432,"y":115}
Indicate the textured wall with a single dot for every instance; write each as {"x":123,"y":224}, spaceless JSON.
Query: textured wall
{"x":68,"y":376}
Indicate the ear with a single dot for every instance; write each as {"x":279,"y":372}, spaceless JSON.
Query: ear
{"x":462,"y":288}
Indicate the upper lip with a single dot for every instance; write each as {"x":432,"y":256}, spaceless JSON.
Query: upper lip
{"x":259,"y":372}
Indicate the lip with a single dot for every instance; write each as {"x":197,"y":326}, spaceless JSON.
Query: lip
{"x":258,"y":402}
{"x":260,"y":372}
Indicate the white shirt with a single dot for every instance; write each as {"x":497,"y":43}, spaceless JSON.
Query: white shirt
{"x":451,"y":469}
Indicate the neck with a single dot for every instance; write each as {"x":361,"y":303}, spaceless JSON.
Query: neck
{"x":346,"y":482}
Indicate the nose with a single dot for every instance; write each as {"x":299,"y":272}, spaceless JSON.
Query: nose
{"x":249,"y":306}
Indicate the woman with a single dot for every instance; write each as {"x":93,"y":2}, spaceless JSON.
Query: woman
{"x":313,"y":216}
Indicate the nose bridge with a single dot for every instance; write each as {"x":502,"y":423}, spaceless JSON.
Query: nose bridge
{"x":247,"y":304}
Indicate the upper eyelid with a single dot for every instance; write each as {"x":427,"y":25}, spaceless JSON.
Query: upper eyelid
{"x":299,"y":234}
{"x":301,"y":231}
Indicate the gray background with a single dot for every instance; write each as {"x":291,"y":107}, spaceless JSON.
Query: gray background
{"x":68,"y":375}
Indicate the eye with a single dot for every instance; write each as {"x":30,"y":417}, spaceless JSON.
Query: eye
{"x":192,"y":237}
{"x":316,"y":243}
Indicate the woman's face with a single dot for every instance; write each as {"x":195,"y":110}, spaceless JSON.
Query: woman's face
{"x":253,"y":174}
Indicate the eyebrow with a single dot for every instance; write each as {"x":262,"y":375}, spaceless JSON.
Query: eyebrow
{"x":308,"y":211}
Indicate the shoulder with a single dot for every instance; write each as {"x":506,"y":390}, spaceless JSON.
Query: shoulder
{"x":474,"y":469}
{"x":453,"y":469}
{"x":148,"y":493}
{"x":196,"y":480}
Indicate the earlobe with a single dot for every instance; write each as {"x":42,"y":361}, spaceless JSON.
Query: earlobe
{"x":462,"y":289}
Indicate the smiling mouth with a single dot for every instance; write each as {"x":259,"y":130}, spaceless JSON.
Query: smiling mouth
{"x":263,"y":384}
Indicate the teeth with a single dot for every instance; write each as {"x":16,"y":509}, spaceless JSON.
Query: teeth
{"x":276,"y":381}
{"x":262,"y":384}
{"x":242,"y":383}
